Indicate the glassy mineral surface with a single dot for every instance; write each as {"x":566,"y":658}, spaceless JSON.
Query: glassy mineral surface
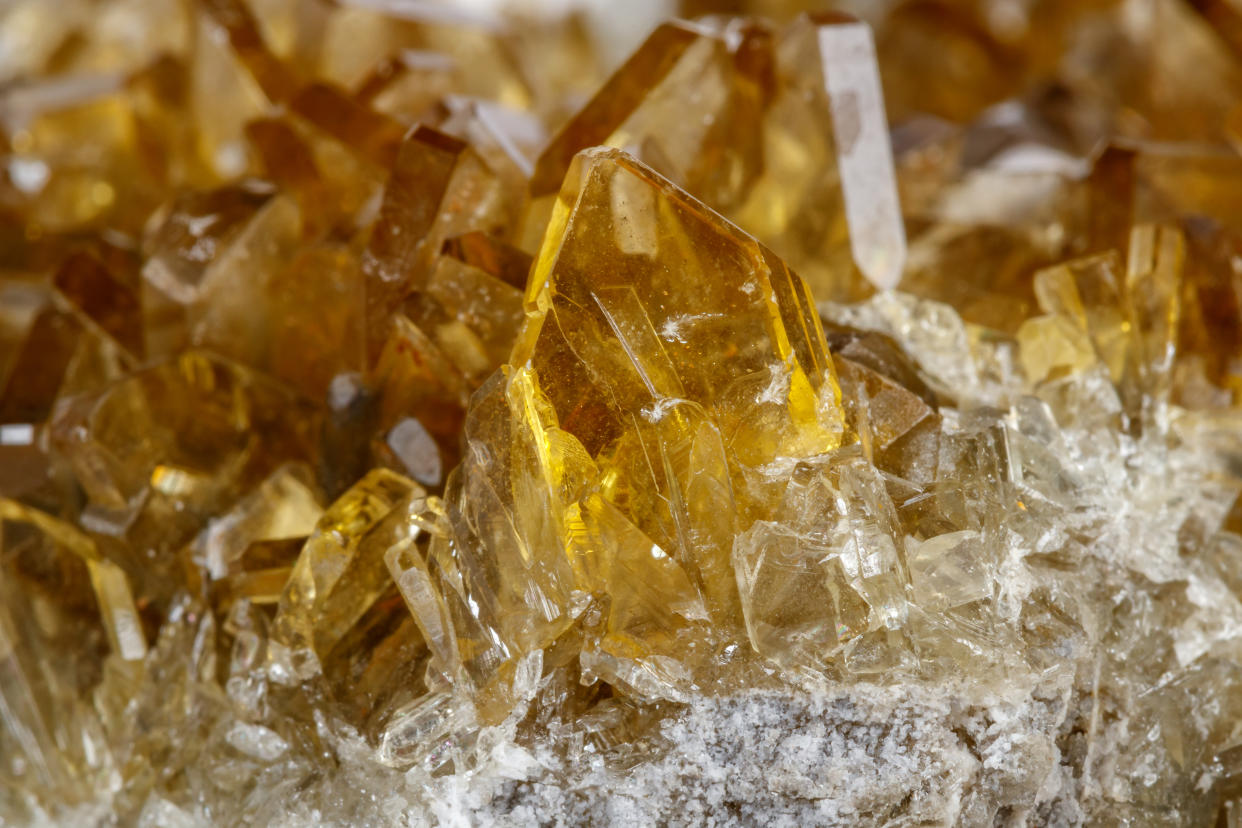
{"x":803,"y":414}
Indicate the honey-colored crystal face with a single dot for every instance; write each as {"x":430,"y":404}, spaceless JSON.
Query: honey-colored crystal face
{"x":415,"y":415}
{"x":638,"y":396}
{"x":689,"y":309}
{"x":805,"y":167}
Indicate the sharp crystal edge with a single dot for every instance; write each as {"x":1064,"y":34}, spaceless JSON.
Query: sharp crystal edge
{"x":410,"y":416}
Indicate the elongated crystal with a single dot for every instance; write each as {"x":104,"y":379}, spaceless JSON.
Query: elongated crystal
{"x":340,"y":571}
{"x":815,"y":181}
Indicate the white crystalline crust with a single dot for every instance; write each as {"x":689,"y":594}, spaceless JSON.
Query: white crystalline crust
{"x":838,"y":756}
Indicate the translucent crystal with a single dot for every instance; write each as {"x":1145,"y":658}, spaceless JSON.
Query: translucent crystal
{"x":815,"y":181}
{"x":340,"y":571}
{"x":402,"y":421}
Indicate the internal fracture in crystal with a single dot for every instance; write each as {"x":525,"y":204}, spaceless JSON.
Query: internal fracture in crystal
{"x":414,"y":416}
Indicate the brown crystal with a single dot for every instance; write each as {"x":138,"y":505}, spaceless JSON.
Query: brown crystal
{"x":402,"y":419}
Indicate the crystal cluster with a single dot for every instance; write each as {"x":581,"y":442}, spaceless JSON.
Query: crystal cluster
{"x":824,"y":417}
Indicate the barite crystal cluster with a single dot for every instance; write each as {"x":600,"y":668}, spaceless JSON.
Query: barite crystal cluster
{"x":818,"y":418}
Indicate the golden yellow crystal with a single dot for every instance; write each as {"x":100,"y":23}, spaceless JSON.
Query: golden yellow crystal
{"x":400,"y":417}
{"x":635,"y":403}
{"x":807,"y":168}
{"x":340,"y":571}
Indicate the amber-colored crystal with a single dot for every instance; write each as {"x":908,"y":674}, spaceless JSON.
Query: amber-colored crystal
{"x":629,"y":406}
{"x":808,"y":171}
{"x":439,"y":188}
{"x":403,"y":419}
{"x":340,"y":571}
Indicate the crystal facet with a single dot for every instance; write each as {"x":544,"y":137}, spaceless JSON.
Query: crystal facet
{"x":414,"y":415}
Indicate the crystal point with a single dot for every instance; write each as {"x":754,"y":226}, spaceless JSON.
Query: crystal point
{"x":812,"y":420}
{"x":340,"y":570}
{"x":815,"y":181}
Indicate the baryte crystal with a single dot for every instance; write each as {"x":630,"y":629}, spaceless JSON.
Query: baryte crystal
{"x":402,"y":422}
{"x":733,"y":320}
{"x":827,"y":569}
{"x":814,"y":181}
{"x":340,"y":571}
{"x":281,"y":507}
{"x":828,"y":62}
{"x":439,"y":188}
{"x":191,"y":428}
{"x":110,"y":586}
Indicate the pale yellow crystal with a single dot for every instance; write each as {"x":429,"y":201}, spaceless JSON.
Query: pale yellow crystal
{"x":341,"y":571}
{"x":111,"y":586}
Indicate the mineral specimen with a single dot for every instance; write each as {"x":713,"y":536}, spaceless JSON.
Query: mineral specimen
{"x":782,"y":132}
{"x":402,"y":421}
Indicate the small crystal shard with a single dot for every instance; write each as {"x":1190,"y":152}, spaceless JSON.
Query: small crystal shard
{"x":340,"y":570}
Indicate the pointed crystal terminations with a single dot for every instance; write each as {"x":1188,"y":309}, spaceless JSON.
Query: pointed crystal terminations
{"x":816,"y":220}
{"x":340,"y":571}
{"x":806,"y":166}
{"x":668,"y":362}
{"x":689,"y":308}
{"x":361,"y":448}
